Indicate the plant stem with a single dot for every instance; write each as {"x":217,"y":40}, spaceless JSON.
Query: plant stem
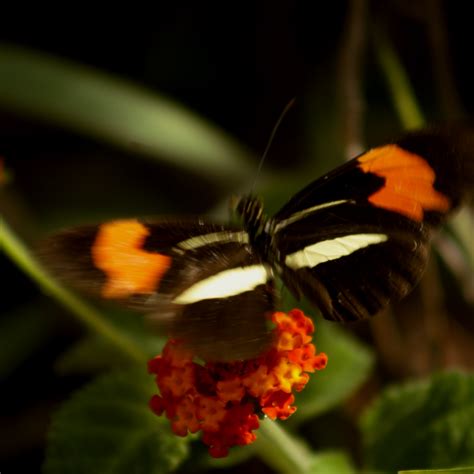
{"x":18,"y":253}
{"x":282,"y":451}
{"x":350,"y":77}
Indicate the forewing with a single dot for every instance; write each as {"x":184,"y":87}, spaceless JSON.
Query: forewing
{"x":359,"y":260}
{"x":200,"y":282}
{"x":125,"y":260}
{"x":359,"y":237}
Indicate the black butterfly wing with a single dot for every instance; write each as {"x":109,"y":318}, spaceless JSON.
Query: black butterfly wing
{"x":201,"y":282}
{"x":360,"y":260}
{"x":359,"y":237}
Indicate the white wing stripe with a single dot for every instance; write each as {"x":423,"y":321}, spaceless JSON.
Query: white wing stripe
{"x":225,"y":284}
{"x":332,"y":249}
{"x":208,"y":239}
{"x":306,"y":212}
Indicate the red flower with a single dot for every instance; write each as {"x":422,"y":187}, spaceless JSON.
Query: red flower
{"x":225,"y":400}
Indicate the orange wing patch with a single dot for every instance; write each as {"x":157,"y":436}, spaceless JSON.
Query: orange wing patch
{"x":409,"y":179}
{"x":117,"y":251}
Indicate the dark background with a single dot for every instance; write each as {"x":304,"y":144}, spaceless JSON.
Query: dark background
{"x":237,"y":64}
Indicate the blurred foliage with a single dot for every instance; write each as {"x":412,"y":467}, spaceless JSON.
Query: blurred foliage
{"x":331,"y":463}
{"x":95,"y":353}
{"x":90,"y":102}
{"x":457,"y":470}
{"x":425,"y":424}
{"x":83,"y":143}
{"x":108,"y":427}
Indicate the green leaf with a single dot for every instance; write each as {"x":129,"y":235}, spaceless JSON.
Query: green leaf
{"x":331,"y":462}
{"x":349,"y":364}
{"x":108,"y":427}
{"x":428,"y":424}
{"x":111,"y":110}
{"x":457,"y":470}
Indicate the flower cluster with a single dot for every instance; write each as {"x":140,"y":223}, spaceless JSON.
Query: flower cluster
{"x":225,"y":400}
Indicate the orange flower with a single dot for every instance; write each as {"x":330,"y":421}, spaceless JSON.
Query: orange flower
{"x":288,"y":375}
{"x":279,"y":405}
{"x":211,"y":411}
{"x":231,"y":390}
{"x":225,"y":400}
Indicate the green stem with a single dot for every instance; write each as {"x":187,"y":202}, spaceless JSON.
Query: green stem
{"x":282,"y":451}
{"x":19,"y":254}
{"x":403,"y":96}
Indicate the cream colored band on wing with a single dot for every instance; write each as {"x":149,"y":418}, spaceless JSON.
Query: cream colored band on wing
{"x":333,"y":249}
{"x":225,"y":284}
{"x":208,"y":239}
{"x":306,"y":212}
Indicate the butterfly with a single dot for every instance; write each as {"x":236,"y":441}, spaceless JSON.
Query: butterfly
{"x":350,"y":242}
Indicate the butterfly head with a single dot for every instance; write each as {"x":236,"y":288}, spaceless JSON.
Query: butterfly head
{"x":250,"y":210}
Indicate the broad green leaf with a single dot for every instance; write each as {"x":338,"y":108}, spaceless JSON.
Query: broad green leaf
{"x":421,"y":425}
{"x":457,"y":470}
{"x":112,"y":110}
{"x":332,"y":462}
{"x":349,"y":365}
{"x":108,"y":427}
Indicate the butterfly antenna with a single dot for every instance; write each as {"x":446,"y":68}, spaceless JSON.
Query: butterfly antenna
{"x":270,"y":141}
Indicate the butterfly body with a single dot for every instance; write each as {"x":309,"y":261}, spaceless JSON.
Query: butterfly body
{"x":350,"y":242}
